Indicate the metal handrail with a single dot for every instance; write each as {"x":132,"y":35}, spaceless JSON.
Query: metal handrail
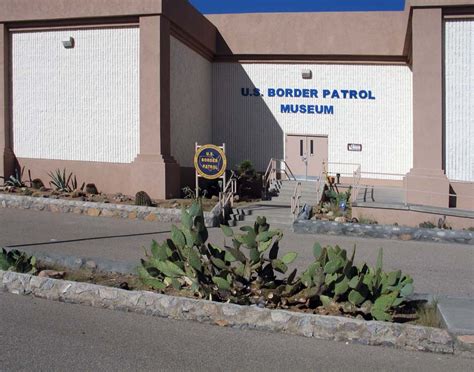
{"x":295,"y":201}
{"x":355,"y":184}
{"x":320,"y":182}
{"x":272,"y":171}
{"x":226,"y":196}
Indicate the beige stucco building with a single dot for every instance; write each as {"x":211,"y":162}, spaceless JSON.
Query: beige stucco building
{"x":119,"y":91}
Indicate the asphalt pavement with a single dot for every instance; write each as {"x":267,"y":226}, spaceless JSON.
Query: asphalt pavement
{"x":43,"y":335}
{"x":438,"y":269}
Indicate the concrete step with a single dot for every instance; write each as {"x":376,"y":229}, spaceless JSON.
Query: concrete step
{"x":292,"y":190}
{"x":457,"y":314}
{"x":279,"y":221}
{"x":306,"y":195}
{"x":275,"y":214}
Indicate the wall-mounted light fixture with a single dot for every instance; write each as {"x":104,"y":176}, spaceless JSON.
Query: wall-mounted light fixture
{"x":69,"y":44}
{"x":307,"y":74}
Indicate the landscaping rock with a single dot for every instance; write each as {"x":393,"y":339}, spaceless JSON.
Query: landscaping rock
{"x":93,"y":212}
{"x":52,"y":274}
{"x":77,"y":194}
{"x":91,"y":265}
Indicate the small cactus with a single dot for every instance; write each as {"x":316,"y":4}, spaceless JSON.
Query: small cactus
{"x":37,"y":184}
{"x":91,"y":189}
{"x":143,"y":199}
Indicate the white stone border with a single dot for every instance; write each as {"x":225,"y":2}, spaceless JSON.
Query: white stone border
{"x":96,"y":209}
{"x":403,"y":233}
{"x":402,"y":336}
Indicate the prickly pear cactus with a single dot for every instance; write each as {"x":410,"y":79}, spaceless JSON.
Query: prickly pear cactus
{"x":17,"y":261}
{"x":250,"y":271}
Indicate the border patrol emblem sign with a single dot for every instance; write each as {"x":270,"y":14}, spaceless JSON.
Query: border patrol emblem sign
{"x":210,"y":161}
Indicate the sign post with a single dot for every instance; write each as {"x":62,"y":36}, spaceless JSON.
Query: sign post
{"x":210,"y":163}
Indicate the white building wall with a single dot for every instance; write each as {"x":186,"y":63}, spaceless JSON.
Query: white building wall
{"x":254,"y":127}
{"x":191,"y":102}
{"x":76,"y":104}
{"x":459,"y":109}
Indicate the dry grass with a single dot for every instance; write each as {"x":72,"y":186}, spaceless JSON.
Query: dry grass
{"x":428,"y":315}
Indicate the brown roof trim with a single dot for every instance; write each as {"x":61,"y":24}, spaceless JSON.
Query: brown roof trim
{"x":73,"y":24}
{"x":42,"y":10}
{"x":302,"y":59}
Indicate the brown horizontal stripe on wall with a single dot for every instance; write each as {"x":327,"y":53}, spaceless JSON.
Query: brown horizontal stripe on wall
{"x":294,"y":59}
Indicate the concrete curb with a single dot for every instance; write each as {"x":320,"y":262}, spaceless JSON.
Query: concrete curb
{"x":383,"y":232}
{"x":93,"y":209}
{"x":402,"y":336}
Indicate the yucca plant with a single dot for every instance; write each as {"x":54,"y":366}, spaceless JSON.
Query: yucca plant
{"x":63,"y":182}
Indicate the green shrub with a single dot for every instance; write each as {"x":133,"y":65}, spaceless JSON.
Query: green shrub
{"x":246,"y":271}
{"x":17,"y":261}
{"x":366,"y":221}
{"x":246,"y":169}
{"x":249,"y":183}
{"x":427,"y":225}
{"x":335,"y":198}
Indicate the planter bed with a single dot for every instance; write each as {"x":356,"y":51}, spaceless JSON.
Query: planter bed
{"x":405,"y":336}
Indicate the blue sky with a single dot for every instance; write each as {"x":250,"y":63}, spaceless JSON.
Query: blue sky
{"x":258,"y":6}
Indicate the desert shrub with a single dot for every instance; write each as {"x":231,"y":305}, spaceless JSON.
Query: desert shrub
{"x":366,"y":220}
{"x":249,"y":183}
{"x":427,"y":225}
{"x":337,"y":198}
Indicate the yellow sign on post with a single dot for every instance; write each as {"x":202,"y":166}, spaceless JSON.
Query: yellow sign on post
{"x":210,"y":161}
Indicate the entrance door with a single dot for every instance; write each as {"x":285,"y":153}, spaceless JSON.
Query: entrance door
{"x":305,"y":155}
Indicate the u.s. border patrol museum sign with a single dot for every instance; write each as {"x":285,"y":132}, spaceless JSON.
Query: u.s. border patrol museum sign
{"x":310,"y":98}
{"x":210,"y":161}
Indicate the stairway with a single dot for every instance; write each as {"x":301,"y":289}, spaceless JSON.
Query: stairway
{"x":278,"y":209}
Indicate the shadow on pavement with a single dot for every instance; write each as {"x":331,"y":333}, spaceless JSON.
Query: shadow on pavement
{"x":86,"y":239}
